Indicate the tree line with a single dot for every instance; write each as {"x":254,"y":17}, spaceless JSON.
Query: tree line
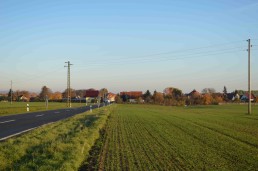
{"x":174,"y":97}
{"x":45,"y":93}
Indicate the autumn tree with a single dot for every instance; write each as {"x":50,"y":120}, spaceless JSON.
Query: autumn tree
{"x":217,"y":100}
{"x":45,"y":93}
{"x":158,"y":97}
{"x":207,"y":99}
{"x":56,"y":96}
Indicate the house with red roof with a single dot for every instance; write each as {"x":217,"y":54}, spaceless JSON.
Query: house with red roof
{"x":91,"y":95}
{"x":111,"y":97}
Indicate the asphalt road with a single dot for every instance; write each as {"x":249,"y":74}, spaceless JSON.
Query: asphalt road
{"x":17,"y":124}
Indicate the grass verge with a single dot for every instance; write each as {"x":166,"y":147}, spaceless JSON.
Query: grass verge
{"x":63,"y":145}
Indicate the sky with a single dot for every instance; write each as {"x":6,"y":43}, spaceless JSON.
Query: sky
{"x":128,"y":45}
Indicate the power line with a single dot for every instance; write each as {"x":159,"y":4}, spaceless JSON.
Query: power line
{"x":169,"y":58}
{"x":175,"y":51}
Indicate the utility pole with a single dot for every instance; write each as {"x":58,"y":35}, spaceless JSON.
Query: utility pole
{"x":68,"y":85}
{"x":46,"y":101}
{"x":11,"y":92}
{"x":249,"y":76}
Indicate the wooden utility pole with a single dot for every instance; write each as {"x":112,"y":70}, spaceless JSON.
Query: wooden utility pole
{"x":249,"y":76}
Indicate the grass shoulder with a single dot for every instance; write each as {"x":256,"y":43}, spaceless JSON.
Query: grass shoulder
{"x":63,"y":145}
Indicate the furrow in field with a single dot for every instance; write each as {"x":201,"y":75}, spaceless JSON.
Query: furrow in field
{"x":140,"y":146}
{"x":200,"y":153}
{"x":141,"y":138}
{"x":134,"y":147}
{"x":173,"y":137}
{"x":128,"y":151}
{"x":234,"y":126}
{"x":223,"y":131}
{"x":164,"y":154}
{"x":190,"y":136}
{"x":168,"y":152}
{"x":166,"y":138}
{"x":214,"y":143}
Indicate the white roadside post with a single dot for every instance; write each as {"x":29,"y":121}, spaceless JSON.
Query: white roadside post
{"x":90,"y":108}
{"x":28,"y":107}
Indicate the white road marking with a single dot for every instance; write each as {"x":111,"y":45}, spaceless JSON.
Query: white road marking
{"x":7,"y":121}
{"x":56,"y":112}
{"x":16,"y":134}
{"x":24,"y":131}
{"x":39,"y":115}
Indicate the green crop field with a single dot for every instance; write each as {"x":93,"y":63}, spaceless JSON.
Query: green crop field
{"x":21,"y":107}
{"x":146,"y":137}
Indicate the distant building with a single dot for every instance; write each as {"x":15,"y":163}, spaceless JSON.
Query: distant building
{"x":245,"y":97}
{"x":111,"y":97}
{"x":91,"y":95}
{"x":23,"y":98}
{"x":233,"y":96}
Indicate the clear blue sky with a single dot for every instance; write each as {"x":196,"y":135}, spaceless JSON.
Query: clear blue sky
{"x":128,"y":45}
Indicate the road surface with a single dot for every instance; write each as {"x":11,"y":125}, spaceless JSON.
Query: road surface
{"x":13,"y":125}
